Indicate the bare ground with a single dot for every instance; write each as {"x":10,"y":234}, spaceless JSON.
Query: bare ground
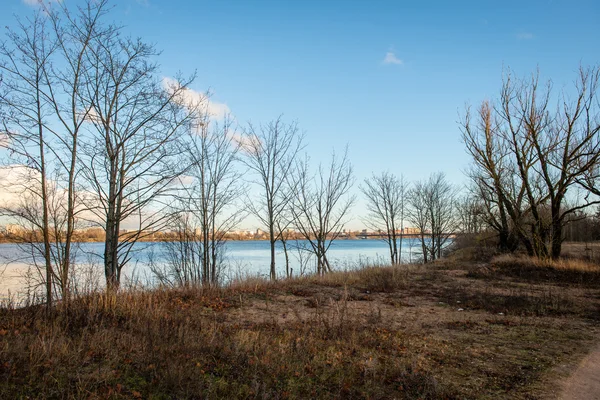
{"x":584,"y":383}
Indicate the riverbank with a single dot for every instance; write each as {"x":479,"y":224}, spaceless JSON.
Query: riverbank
{"x":454,"y":329}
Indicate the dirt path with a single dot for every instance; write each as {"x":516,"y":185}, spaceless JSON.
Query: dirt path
{"x":584,"y":384}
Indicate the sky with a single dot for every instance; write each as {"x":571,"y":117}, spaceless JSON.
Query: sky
{"x":388,"y":78}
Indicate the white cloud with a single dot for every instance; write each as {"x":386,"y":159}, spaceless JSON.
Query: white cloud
{"x":14,"y":181}
{"x":191,"y":98}
{"x":218,"y":110}
{"x":19,"y":185}
{"x":247,"y":143}
{"x":525,"y":36}
{"x":391,"y":59}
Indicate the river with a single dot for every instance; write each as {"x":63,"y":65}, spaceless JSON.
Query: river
{"x":243,"y":259}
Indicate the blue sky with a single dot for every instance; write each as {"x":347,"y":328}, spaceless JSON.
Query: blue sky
{"x":389,"y":78}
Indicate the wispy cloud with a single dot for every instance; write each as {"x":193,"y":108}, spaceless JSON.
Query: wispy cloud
{"x":191,"y":98}
{"x":525,"y":36}
{"x":391,"y":59}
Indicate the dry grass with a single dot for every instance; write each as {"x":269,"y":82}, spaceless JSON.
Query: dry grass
{"x":563,"y":271}
{"x":563,"y":264}
{"x":589,"y":251}
{"x":410,"y":332}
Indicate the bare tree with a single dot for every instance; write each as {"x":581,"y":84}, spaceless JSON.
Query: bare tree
{"x":567,"y":149}
{"x":385,"y":195}
{"x":493,"y":175}
{"x":43,"y":63}
{"x":208,"y":202}
{"x":132,"y":159}
{"x":181,"y":258}
{"x":270,"y":152}
{"x":321,"y":205}
{"x":418,"y":216}
{"x":432,"y":209}
{"x":24,"y":111}
{"x":74,"y":36}
{"x":472,"y":214}
{"x":527,"y":157}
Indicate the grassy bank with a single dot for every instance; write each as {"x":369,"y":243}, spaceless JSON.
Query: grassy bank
{"x":449,"y":330}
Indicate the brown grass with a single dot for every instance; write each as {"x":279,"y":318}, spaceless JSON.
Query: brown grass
{"x":562,"y":271}
{"x":563,"y":264}
{"x":589,"y":251}
{"x":408,"y":332}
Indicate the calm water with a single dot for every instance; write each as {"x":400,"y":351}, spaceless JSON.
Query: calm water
{"x":246,"y":258}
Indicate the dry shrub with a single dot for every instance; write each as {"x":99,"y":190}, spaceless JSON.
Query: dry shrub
{"x":383,"y":279}
{"x":473,"y":247}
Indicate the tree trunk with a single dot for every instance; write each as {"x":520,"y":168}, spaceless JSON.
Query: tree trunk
{"x":272,"y":242}
{"x":45,"y":223}
{"x":287,"y":257}
{"x":557,"y":239}
{"x":424,"y":248}
{"x":112,"y":234}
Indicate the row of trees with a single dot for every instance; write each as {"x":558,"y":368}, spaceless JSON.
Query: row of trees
{"x":431,"y":206}
{"x":535,"y":165}
{"x":96,"y":137}
{"x":535,"y":171}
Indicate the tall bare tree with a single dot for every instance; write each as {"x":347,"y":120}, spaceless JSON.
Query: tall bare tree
{"x":25,"y":54}
{"x":321,"y":204}
{"x":493,"y":175}
{"x":132,"y":159}
{"x":270,"y":152}
{"x":75,"y":33}
{"x":43,"y":64}
{"x":385,"y":194}
{"x":209,"y":202}
{"x":567,"y":148}
{"x":527,"y":156}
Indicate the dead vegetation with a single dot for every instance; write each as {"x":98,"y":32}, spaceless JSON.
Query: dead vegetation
{"x":444,"y":331}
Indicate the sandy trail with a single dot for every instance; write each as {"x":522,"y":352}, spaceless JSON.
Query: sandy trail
{"x":584,"y":384}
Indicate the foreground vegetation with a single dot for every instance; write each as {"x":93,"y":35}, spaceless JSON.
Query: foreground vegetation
{"x":453,"y":329}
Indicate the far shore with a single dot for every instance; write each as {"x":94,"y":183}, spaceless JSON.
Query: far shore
{"x":370,"y":236}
